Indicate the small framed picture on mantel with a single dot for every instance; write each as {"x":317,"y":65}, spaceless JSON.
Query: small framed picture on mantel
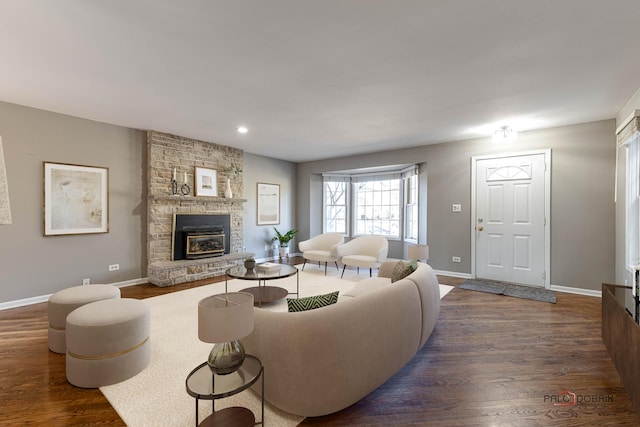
{"x":206,"y":182}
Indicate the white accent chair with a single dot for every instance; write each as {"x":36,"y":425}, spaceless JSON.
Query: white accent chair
{"x":364,"y":251}
{"x":322,"y":248}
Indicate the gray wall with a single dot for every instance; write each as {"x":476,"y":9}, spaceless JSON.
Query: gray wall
{"x":258,"y":239}
{"x":33,"y":265}
{"x":582,"y":207}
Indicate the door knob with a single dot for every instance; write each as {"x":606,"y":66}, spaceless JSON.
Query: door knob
{"x":479,"y":228}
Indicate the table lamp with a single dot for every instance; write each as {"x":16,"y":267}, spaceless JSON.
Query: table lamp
{"x":418,"y":252}
{"x":223,"y":319}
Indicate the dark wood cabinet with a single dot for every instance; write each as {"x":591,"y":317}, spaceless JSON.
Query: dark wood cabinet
{"x":621,"y":336}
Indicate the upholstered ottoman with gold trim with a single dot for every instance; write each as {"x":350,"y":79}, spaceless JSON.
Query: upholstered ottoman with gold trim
{"x":107,"y":342}
{"x":65,"y":301}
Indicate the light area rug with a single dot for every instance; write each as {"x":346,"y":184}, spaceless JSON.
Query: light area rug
{"x":157,"y":396}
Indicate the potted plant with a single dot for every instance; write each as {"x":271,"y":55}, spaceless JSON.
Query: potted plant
{"x":284,"y":240}
{"x":249,"y":263}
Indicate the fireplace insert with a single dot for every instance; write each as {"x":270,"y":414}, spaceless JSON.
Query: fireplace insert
{"x":200,"y":236}
{"x":202,"y":244}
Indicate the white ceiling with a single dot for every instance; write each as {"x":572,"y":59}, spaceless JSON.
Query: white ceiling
{"x":317,"y":79}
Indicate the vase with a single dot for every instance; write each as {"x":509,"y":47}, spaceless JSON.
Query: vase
{"x":227,"y":192}
{"x":284,"y":252}
{"x":226,"y":357}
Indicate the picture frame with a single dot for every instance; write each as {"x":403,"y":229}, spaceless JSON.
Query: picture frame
{"x":268,"y":204}
{"x":206,"y":182}
{"x":76,"y":199}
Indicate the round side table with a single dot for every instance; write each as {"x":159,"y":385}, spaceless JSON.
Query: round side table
{"x":203,"y":384}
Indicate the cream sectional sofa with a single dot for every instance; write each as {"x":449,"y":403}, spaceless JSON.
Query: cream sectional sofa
{"x":321,"y":361}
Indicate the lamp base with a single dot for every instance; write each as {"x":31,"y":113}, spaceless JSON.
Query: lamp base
{"x":226,"y":357}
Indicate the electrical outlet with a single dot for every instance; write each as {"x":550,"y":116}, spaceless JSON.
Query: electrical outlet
{"x":114,"y":267}
{"x":456,"y":208}
{"x":86,"y":282}
{"x":456,"y":259}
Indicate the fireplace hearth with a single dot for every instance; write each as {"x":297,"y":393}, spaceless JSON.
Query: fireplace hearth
{"x":200,"y":236}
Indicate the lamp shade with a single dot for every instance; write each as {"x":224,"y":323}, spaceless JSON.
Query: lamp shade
{"x":225,"y":317}
{"x":418,"y":252}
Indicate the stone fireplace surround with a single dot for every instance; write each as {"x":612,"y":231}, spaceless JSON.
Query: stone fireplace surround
{"x":165,"y":152}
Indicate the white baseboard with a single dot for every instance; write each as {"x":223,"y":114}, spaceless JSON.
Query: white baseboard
{"x":44,"y":298}
{"x":22,"y":302}
{"x":577,"y":291}
{"x":453,"y":274}
{"x":131,"y":282}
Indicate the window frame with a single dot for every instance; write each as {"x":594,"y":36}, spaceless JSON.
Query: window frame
{"x":376,"y":193}
{"x":347,"y":204}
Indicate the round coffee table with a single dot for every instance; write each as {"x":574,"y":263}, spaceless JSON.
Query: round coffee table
{"x":262,"y":293}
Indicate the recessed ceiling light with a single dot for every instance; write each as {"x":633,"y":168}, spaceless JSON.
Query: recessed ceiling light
{"x":242,"y":129}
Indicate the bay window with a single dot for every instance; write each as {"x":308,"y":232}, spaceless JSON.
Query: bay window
{"x":383,"y":203}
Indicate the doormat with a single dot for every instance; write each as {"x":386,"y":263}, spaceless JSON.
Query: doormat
{"x":510,"y":289}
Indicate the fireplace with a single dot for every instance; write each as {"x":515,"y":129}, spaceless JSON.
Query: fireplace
{"x":200,"y":236}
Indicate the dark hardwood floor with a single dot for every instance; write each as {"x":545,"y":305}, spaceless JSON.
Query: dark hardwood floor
{"x":491,"y":361}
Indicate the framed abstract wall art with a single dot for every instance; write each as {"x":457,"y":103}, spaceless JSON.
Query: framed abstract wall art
{"x":268,"y":204}
{"x":76,"y":199}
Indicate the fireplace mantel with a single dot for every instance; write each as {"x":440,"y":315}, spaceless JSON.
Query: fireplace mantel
{"x":197,"y":199}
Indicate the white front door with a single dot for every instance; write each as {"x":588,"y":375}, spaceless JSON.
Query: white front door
{"x":511,"y":208}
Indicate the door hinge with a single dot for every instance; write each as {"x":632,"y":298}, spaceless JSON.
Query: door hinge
{"x":544,"y":275}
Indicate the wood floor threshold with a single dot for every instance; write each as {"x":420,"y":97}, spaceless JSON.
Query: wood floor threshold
{"x":492,"y":360}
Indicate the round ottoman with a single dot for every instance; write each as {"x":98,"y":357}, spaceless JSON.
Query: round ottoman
{"x":65,"y":301}
{"x":107,"y":342}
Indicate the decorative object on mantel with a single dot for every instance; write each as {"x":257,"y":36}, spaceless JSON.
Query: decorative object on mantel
{"x":284,"y":240}
{"x":231,"y":170}
{"x":185,"y":187}
{"x":174,"y":184}
{"x":5,"y":207}
{"x":206,"y":181}
{"x":227,"y":191}
{"x":223,"y":319}
{"x":76,"y":199}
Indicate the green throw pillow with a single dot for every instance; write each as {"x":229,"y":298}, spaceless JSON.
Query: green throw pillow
{"x":310,"y":303}
{"x":402,"y":270}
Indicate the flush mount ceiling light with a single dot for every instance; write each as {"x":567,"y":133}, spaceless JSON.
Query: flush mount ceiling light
{"x":242,"y":129}
{"x":505,"y":134}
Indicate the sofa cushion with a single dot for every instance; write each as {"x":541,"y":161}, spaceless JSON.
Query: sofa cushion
{"x":367,"y":285}
{"x":403,"y":269}
{"x":311,"y":303}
